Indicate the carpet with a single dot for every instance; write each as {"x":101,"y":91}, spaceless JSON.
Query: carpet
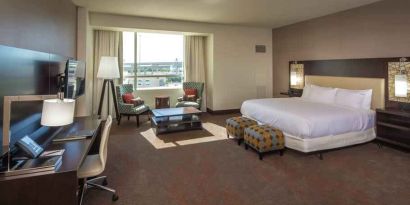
{"x":204,"y":167}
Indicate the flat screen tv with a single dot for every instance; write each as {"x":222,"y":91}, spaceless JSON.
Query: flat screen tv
{"x":74,"y":85}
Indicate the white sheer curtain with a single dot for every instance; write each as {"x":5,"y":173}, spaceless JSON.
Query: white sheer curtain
{"x":195,"y":62}
{"x":106,"y":43}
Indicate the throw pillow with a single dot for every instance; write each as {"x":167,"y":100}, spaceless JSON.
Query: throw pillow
{"x":190,"y":91}
{"x":190,"y":98}
{"x":137,"y":101}
{"x":127,"y":98}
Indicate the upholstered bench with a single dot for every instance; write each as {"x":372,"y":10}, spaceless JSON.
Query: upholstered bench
{"x":235,"y":127}
{"x":264,"y":138}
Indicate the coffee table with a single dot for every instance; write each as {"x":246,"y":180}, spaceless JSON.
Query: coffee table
{"x":175,"y":119}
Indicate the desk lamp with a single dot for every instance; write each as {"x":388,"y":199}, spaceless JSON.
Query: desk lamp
{"x":56,"y":112}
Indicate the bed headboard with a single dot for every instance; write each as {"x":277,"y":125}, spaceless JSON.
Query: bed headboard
{"x":353,"y":83}
{"x":366,"y":73}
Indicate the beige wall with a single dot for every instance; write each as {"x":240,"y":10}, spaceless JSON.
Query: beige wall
{"x":377,"y":30}
{"x":237,"y":72}
{"x":85,"y":53}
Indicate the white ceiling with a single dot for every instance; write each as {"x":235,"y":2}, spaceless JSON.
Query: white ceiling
{"x":266,"y":13}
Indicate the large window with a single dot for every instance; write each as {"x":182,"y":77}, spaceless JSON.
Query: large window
{"x":153,"y":60}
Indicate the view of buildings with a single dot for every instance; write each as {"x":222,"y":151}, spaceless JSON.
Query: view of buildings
{"x":154,"y":74}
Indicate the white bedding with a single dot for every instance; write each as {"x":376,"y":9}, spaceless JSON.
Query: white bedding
{"x":307,"y":120}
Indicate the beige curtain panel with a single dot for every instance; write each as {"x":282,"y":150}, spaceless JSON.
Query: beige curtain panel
{"x":106,"y":43}
{"x":195,"y":62}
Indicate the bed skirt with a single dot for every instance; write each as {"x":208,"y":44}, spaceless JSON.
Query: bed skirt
{"x":327,"y":142}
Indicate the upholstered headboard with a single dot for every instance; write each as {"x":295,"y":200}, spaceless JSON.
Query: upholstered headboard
{"x":366,"y":73}
{"x":353,"y":83}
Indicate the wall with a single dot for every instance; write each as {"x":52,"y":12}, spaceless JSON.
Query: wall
{"x":47,"y":26}
{"x":85,"y":53}
{"x":237,"y":70}
{"x":377,"y":30}
{"x":41,"y":25}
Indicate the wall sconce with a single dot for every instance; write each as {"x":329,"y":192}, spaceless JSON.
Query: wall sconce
{"x":398,"y":80}
{"x":296,"y":76}
{"x":400,"y":85}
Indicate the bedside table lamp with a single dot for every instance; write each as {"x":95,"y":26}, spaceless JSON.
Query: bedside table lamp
{"x":399,"y":75}
{"x":108,"y":70}
{"x":400,"y":85}
{"x":296,"y":76}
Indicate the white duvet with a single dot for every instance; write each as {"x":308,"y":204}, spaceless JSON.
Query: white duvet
{"x":302,"y":118}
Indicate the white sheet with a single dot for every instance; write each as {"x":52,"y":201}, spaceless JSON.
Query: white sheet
{"x":305,"y":119}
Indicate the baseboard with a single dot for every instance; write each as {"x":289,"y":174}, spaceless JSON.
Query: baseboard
{"x":222,"y":112}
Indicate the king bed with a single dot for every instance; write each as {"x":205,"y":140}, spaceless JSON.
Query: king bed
{"x":336,"y":112}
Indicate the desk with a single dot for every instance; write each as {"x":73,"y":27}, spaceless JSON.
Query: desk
{"x":56,"y":187}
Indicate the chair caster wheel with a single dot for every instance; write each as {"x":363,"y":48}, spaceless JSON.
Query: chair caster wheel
{"x":115,"y":197}
{"x":105,"y":182}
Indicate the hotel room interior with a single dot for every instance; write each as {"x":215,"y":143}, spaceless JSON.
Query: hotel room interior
{"x":205,"y":102}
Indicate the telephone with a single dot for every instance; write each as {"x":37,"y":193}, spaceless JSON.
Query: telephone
{"x":29,"y":147}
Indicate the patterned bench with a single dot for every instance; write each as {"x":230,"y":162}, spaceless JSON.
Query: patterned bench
{"x":235,"y":127}
{"x":264,"y":138}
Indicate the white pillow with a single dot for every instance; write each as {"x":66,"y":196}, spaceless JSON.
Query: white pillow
{"x":305,"y":93}
{"x":352,"y":98}
{"x":322,"y":94}
{"x":349,"y":99}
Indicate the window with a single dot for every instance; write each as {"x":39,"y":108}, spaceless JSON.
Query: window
{"x":153,"y":60}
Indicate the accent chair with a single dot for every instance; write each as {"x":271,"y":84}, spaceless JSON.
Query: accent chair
{"x":126,"y":109}
{"x":197,"y":103}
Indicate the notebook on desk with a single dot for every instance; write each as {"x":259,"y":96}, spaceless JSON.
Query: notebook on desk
{"x":77,"y":135}
{"x":26,"y":166}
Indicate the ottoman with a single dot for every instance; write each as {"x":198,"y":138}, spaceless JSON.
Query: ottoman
{"x":235,"y":127}
{"x":264,"y":138}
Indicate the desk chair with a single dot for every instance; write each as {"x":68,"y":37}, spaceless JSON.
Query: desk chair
{"x":94,"y":165}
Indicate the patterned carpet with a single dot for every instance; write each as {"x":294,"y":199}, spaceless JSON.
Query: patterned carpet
{"x":203,"y":167}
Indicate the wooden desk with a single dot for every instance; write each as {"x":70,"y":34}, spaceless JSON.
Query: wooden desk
{"x":59,"y":187}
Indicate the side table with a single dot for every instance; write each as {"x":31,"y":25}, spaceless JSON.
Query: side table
{"x":162,"y":102}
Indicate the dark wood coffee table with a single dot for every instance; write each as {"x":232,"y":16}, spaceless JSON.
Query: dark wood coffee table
{"x":175,"y":119}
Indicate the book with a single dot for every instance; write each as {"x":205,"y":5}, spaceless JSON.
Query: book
{"x":28,"y":166}
{"x":78,"y":135}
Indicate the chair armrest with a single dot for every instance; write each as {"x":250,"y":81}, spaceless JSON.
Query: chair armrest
{"x":126,"y":107}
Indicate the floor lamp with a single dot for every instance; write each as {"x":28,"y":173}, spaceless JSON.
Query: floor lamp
{"x":108,"y":70}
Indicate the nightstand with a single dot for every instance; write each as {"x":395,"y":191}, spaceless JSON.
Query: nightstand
{"x":393,"y":126}
{"x":293,"y":93}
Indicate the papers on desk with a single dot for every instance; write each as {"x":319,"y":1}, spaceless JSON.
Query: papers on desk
{"x":29,"y":166}
{"x":50,"y":153}
{"x":78,"y":135}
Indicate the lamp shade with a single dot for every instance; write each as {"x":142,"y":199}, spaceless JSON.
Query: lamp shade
{"x":296,"y":76}
{"x":57,"y":112}
{"x":293,"y":78}
{"x":108,"y":68}
{"x":400,"y":85}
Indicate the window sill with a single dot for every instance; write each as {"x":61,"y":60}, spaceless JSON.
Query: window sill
{"x":159,"y":88}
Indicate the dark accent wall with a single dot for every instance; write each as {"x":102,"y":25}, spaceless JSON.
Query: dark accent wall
{"x":379,"y":30}
{"x":42,"y":25}
{"x":46,"y":31}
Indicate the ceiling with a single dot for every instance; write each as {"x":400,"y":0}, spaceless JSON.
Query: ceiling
{"x":265,"y":13}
